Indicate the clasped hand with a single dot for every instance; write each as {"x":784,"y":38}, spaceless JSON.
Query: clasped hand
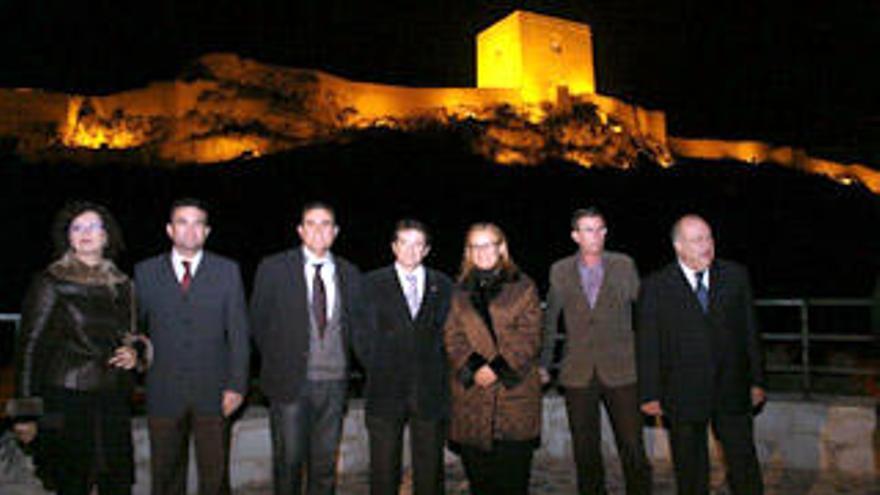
{"x":124,"y":357}
{"x":485,"y":376}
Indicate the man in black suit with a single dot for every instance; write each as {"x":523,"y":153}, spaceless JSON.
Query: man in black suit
{"x":699,"y":359}
{"x":191,"y":303}
{"x":307,"y":313}
{"x":406,"y":372}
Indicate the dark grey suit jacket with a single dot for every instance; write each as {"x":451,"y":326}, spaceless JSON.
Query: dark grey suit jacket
{"x":407,"y":369}
{"x":280,"y":319}
{"x":200,"y":339}
{"x":698,"y":364}
{"x":599,"y":340}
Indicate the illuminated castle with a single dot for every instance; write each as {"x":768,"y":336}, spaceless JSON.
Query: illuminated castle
{"x":229,"y":108}
{"x":538,"y":55}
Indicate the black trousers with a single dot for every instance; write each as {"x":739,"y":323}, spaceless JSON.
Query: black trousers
{"x":690,"y":454}
{"x":84,"y":440}
{"x":584,"y":420}
{"x":386,"y":446}
{"x":169,"y":452}
{"x":306,"y":433}
{"x":504,"y":470}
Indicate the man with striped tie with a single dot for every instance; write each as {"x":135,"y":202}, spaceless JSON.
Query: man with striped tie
{"x":406,"y":372}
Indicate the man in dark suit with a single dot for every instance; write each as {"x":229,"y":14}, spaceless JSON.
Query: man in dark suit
{"x":700,"y":359}
{"x":406,"y":372}
{"x":307,"y":313}
{"x":596,"y":289}
{"x":191,"y":303}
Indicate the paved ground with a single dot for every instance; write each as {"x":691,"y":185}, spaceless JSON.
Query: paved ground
{"x":549,"y":479}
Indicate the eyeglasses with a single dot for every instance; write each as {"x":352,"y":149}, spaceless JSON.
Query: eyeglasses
{"x":481,"y":247}
{"x":82,"y":228}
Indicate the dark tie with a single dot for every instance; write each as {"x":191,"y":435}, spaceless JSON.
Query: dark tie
{"x":702,"y":292}
{"x":319,"y":300}
{"x":187,"y":278}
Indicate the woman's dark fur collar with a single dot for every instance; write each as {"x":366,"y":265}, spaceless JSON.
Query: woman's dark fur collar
{"x":73,"y":270}
{"x":472,"y":282}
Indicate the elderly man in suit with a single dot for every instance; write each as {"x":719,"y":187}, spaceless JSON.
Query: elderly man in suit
{"x":191,"y":303}
{"x":700,"y":359}
{"x":406,"y":373}
{"x":307,"y":313}
{"x":596,"y":289}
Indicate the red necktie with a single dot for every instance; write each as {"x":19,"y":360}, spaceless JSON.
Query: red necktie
{"x":187,"y":278}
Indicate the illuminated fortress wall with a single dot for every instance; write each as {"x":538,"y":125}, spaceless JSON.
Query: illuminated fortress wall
{"x":524,"y":60}
{"x":374,"y":101}
{"x":651,"y":123}
{"x":536,"y":54}
{"x":757,"y":152}
{"x":22,"y":109}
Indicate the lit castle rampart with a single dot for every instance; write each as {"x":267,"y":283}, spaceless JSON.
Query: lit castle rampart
{"x":231,"y":107}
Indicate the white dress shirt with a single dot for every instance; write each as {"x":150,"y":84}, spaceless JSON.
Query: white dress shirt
{"x":177,"y":263}
{"x":691,"y":276}
{"x":419,"y":272}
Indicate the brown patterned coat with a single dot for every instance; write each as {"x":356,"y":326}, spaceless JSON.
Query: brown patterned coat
{"x":510,"y":409}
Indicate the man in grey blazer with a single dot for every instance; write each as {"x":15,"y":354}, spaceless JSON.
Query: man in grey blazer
{"x":191,"y":303}
{"x":595,"y":289}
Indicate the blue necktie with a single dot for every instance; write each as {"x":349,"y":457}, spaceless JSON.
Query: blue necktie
{"x":702,"y":292}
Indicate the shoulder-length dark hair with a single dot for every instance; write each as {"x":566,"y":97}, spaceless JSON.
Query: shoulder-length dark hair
{"x":66,"y":215}
{"x":505,"y":263}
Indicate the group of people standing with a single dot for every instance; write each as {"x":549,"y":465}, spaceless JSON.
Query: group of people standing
{"x":462,"y":363}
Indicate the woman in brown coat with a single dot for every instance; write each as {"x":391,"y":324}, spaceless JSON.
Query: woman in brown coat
{"x":493,"y":340}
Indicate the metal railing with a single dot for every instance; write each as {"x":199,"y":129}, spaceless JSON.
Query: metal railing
{"x":10,"y":317}
{"x":803,"y":337}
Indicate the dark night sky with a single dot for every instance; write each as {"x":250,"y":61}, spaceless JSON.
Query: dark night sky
{"x":791,"y":72}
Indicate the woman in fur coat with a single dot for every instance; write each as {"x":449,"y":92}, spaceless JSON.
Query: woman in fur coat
{"x":493,"y":340}
{"x":76,"y":352}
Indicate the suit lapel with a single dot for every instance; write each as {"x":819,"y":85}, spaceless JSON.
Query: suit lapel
{"x":203,"y":274}
{"x":166,"y":273}
{"x":296,"y":276}
{"x":426,"y":308}
{"x":687,"y":291}
{"x":716,"y":286}
{"x":609,"y":269}
{"x":394,"y":291}
{"x":341,"y":290}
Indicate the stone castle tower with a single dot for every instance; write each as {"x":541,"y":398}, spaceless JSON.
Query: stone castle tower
{"x":537,"y":54}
